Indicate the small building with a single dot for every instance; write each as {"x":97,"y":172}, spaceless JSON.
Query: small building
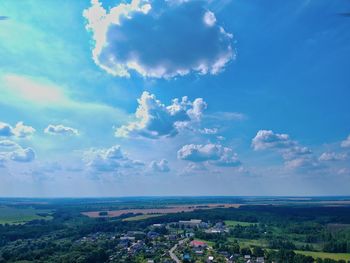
{"x":186,"y":257}
{"x":198,"y":244}
{"x":260,"y":260}
{"x":210,"y":259}
{"x":152,"y":235}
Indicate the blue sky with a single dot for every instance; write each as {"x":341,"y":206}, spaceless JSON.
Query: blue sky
{"x":227,"y":97}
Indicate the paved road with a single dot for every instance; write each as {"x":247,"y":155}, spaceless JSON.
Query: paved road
{"x":171,"y":251}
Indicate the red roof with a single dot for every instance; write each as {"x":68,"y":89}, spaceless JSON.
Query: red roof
{"x":197,"y":243}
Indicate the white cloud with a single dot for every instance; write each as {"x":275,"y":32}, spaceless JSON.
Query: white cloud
{"x":155,"y":120}
{"x":162,"y":40}
{"x":209,"y":131}
{"x":294,"y":155}
{"x":23,"y":155}
{"x":161,"y":166}
{"x":19,"y":131}
{"x":332,"y":156}
{"x":209,"y":18}
{"x":5,"y":130}
{"x":216,"y":154}
{"x":346,"y":142}
{"x":267,"y":139}
{"x":109,"y":160}
{"x":23,"y":131}
{"x":303,"y":163}
{"x":10,"y":150}
{"x":8,"y":145}
{"x":60,"y":130}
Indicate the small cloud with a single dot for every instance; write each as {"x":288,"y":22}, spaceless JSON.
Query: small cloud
{"x":60,"y":130}
{"x":215,"y":154}
{"x":332,"y":156}
{"x":19,"y":131}
{"x":8,"y":145}
{"x":295,"y":156}
{"x":267,"y":139}
{"x":209,"y":131}
{"x":209,"y":18}
{"x":23,"y":131}
{"x":346,"y":142}
{"x":5,"y":130}
{"x":155,"y":120}
{"x":109,"y":160}
{"x":162,"y":166}
{"x":23,"y":155}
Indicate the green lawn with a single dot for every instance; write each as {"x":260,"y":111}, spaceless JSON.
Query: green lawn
{"x":141,"y":217}
{"x":249,"y":242}
{"x":11,"y":215}
{"x":231,"y":223}
{"x":323,"y":255}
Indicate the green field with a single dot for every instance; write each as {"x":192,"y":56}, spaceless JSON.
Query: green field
{"x":231,"y":223}
{"x":249,"y":242}
{"x":323,"y":255}
{"x":141,"y":217}
{"x":10,"y":215}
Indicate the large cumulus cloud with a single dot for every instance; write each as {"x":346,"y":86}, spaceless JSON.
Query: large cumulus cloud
{"x":158,"y":40}
{"x":155,"y":120}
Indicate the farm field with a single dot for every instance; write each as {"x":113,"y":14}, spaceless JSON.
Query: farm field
{"x":10,"y":215}
{"x":323,"y":255}
{"x":166,"y":210}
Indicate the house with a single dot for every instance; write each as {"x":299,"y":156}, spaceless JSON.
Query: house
{"x":172,"y":237}
{"x":210,"y":259}
{"x":204,"y":225}
{"x":247,"y":258}
{"x":189,"y":234}
{"x":128,"y":238}
{"x":135,"y":247}
{"x":260,"y":260}
{"x":186,"y":257}
{"x":198,"y":244}
{"x":152,"y":235}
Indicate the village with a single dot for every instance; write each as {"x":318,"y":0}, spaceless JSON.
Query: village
{"x":177,"y":242}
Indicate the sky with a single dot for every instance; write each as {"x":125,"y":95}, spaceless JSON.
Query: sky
{"x":174,"y":97}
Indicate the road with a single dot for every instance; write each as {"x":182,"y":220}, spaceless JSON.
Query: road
{"x":171,"y":251}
